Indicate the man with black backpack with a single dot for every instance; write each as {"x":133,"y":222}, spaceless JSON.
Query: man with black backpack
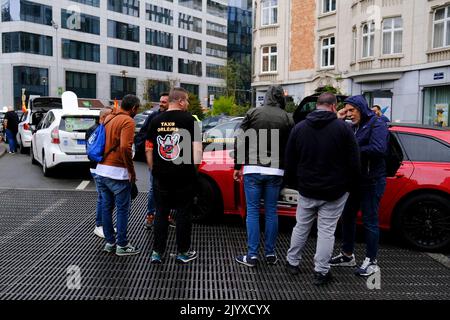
{"x":372,"y":135}
{"x":139,"y":142}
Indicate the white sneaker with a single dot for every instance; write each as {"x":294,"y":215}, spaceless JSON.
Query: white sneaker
{"x":98,"y":231}
{"x":367,"y":268}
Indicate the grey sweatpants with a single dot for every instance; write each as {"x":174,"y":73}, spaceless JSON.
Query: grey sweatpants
{"x":327,"y":213}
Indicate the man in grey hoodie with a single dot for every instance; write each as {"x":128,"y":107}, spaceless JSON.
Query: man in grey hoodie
{"x":260,"y":147}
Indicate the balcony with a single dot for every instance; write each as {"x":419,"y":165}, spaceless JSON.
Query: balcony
{"x":438,"y":55}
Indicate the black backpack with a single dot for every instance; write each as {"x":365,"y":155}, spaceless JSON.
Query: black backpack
{"x":394,"y":156}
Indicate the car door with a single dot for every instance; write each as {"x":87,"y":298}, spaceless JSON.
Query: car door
{"x":42,"y":135}
{"x":72,"y":132}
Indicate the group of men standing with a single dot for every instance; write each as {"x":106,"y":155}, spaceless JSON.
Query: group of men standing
{"x":334,"y":159}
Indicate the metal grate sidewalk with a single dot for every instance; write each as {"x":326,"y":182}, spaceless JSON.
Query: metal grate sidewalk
{"x":42,"y":233}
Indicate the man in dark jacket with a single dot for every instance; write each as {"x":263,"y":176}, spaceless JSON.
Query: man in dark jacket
{"x":372,"y":135}
{"x":11,"y":123}
{"x":260,"y":147}
{"x":322,"y":160}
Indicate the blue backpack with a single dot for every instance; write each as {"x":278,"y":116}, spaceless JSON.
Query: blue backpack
{"x":95,"y":145}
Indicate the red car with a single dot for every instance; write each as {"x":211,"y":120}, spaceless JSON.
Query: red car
{"x":416,"y":204}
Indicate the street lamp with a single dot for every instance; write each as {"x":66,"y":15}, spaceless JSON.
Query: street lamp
{"x":55,"y":26}
{"x":124,"y":76}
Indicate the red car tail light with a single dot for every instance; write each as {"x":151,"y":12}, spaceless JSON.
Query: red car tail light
{"x":55,"y":136}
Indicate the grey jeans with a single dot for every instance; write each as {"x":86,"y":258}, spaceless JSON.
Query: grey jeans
{"x":327,"y":214}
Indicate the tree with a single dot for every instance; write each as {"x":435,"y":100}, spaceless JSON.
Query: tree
{"x":237,"y":77}
{"x":195,"y":107}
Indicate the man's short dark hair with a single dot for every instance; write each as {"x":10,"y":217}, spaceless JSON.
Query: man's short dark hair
{"x":326,"y":98}
{"x":163,"y":94}
{"x":377,"y":106}
{"x":129,"y":102}
{"x":177,"y":94}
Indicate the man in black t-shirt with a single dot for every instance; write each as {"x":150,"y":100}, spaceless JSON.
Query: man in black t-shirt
{"x":11,"y":123}
{"x":173,"y":151}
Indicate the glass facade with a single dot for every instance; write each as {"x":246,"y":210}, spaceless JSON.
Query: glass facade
{"x":158,"y":14}
{"x":121,"y":86}
{"x":123,"y":31}
{"x":33,"y":80}
{"x":436,"y":106}
{"x":83,"y":84}
{"x":77,"y":50}
{"x":158,"y":62}
{"x":191,"y":88}
{"x":190,"y":67}
{"x":158,"y":38}
{"x":86,"y":23}
{"x":21,"y":10}
{"x":155,"y":88}
{"x":123,"y":57}
{"x":27,"y":42}
{"x":128,"y":7}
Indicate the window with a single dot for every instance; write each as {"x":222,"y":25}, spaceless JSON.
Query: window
{"x":121,"y":86}
{"x":94,"y":3}
{"x":368,"y":34}
{"x":191,"y":88}
{"x":158,"y":38}
{"x":189,"y":45}
{"x":77,"y":50}
{"x":217,"y":9}
{"x":441,"y":28}
{"x":86,"y":23}
{"x":123,"y":31}
{"x":269,"y":12}
{"x":354,"y":44}
{"x":216,"y":30}
{"x":34,"y":80}
{"x":21,"y":10}
{"x":83,"y":84}
{"x":129,"y":7}
{"x":188,"y":22}
{"x":215,"y":71}
{"x":123,"y":57}
{"x":190,"y":67}
{"x":158,"y":14}
{"x":328,"y":52}
{"x":328,"y":6}
{"x":216,"y":50}
{"x":392,"y":35}
{"x":193,"y":4}
{"x":436,"y":106}
{"x":27,"y":42}
{"x":269,"y":59}
{"x":426,"y":149}
{"x":155,"y":87}
{"x":158,"y":62}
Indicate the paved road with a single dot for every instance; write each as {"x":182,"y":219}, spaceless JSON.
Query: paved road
{"x":17,"y":172}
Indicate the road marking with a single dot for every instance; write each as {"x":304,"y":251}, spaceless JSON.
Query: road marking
{"x":83,"y":185}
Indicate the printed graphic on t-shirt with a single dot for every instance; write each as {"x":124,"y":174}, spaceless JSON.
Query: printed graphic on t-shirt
{"x":169,"y":147}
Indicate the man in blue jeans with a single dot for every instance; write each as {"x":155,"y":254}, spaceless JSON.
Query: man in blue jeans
{"x":11,"y":123}
{"x":372,"y":135}
{"x":260,"y":147}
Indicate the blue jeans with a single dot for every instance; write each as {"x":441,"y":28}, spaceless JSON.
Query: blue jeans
{"x":118,"y":193}
{"x":268,"y":187}
{"x":368,"y":200}
{"x":150,"y":198}
{"x":98,"y":212}
{"x":11,"y":140}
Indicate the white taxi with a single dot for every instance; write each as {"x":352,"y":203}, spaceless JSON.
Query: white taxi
{"x":60,"y":137}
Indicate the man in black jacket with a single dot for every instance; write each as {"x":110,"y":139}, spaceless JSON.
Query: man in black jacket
{"x":11,"y":123}
{"x":322,"y":157}
{"x":260,"y":147}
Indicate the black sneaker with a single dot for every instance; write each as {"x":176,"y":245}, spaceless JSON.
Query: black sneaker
{"x":322,"y":279}
{"x":294,"y":270}
{"x":246,"y":261}
{"x":271,"y":259}
{"x":341,"y":260}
